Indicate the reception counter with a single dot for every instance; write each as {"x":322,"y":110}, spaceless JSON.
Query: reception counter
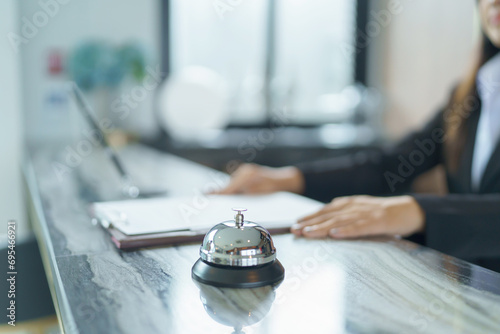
{"x":376,"y":285}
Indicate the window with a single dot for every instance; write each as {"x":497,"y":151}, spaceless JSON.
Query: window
{"x":272,"y":54}
{"x":310,"y":62}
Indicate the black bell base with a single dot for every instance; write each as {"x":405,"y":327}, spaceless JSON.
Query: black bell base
{"x":238,"y":277}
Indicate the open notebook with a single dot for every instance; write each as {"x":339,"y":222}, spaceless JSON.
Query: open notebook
{"x":169,"y":220}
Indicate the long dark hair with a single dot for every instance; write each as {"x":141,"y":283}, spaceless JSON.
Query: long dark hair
{"x":463,"y":102}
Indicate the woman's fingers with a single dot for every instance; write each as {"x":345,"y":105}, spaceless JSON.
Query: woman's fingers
{"x":321,"y":230}
{"x":241,"y":179}
{"x":336,"y":205}
{"x":326,"y":216}
{"x":234,"y":187}
{"x":255,"y":179}
{"x":359,"y":228}
{"x":364,"y":216}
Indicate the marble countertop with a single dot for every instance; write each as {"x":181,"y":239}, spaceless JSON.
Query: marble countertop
{"x":378,"y":285}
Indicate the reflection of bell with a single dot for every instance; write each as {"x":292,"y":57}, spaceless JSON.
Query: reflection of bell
{"x":238,"y":254}
{"x":237,"y":308}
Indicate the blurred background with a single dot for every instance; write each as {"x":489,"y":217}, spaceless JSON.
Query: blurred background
{"x":264,"y":81}
{"x":275,"y":82}
{"x":221,"y":82}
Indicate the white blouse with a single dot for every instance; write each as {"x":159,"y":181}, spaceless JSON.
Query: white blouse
{"x":488,"y":129}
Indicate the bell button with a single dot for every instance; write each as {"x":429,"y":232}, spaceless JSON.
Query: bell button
{"x":239,"y":218}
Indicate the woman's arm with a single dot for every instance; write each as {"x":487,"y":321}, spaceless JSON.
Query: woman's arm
{"x":360,"y":216}
{"x":379,"y":172}
{"x":376,"y":172}
{"x":383,"y":171}
{"x":462,"y":225}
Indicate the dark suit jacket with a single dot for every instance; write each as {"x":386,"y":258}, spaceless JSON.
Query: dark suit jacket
{"x":465,"y":223}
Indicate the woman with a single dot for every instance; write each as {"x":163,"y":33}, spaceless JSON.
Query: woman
{"x":463,"y":137}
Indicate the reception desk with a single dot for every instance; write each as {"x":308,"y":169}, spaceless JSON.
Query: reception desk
{"x":376,"y":285}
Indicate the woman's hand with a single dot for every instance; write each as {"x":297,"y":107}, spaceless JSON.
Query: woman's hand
{"x":255,"y":179}
{"x":357,"y":216}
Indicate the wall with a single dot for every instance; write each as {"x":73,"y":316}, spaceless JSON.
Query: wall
{"x":419,"y":56}
{"x":415,"y":60}
{"x":70,"y":23}
{"x":10,"y":119}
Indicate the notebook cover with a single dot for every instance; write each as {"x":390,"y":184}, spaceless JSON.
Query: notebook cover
{"x":123,"y":241}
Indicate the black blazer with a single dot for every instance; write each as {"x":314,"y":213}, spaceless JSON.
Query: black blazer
{"x":464,"y":224}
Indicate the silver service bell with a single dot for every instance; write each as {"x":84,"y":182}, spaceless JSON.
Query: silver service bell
{"x":238,"y":254}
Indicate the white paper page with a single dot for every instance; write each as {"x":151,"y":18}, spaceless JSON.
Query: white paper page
{"x":134,"y":217}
